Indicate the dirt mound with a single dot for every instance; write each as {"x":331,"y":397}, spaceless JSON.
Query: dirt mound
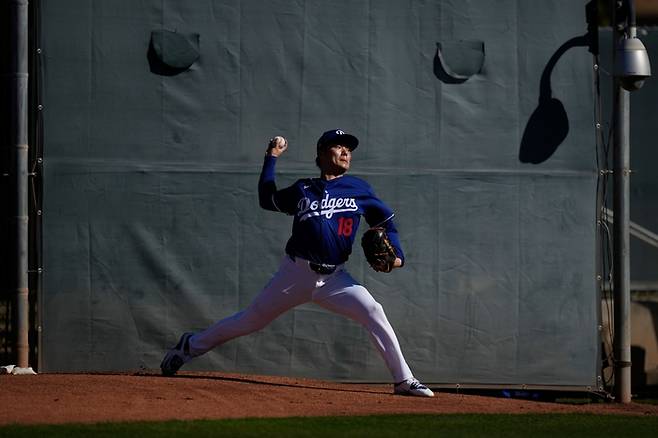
{"x":64,"y":398}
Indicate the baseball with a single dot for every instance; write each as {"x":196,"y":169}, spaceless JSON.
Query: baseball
{"x":278,"y":142}
{"x":277,"y":145}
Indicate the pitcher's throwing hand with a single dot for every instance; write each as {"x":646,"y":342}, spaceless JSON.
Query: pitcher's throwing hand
{"x":277,"y":146}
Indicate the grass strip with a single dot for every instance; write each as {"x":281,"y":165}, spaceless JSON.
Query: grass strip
{"x":449,"y":425}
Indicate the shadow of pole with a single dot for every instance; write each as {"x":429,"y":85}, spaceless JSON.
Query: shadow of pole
{"x":548,"y":125}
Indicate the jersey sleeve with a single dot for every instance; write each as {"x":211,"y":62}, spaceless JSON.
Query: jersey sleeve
{"x":269,"y":198}
{"x":378,"y":214}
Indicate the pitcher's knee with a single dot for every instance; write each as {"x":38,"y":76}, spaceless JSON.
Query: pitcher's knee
{"x":375,"y":309}
{"x":370,"y":306}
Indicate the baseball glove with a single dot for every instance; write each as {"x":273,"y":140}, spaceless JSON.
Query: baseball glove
{"x":378,"y":249}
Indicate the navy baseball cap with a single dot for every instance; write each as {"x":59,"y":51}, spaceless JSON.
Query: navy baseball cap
{"x":338,"y":136}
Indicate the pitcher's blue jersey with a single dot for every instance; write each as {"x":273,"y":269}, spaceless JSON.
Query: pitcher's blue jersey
{"x":326,"y":214}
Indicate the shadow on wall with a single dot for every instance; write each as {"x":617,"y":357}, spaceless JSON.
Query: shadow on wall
{"x":548,"y":125}
{"x":171,"y":53}
{"x":456,"y":61}
{"x":638,"y":373}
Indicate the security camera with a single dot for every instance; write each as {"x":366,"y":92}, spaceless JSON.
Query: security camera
{"x":632,"y":65}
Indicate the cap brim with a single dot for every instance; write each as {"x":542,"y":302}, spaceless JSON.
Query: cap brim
{"x":345,"y":139}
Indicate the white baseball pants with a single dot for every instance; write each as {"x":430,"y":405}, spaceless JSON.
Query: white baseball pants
{"x":294,"y":284}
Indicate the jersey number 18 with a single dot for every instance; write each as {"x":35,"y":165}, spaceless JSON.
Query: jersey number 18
{"x":345,"y":226}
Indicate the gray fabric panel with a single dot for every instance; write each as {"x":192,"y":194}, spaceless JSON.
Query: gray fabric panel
{"x":152,"y":225}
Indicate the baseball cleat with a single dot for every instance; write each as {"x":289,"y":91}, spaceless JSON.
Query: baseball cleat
{"x":177,"y":356}
{"x":412,"y":387}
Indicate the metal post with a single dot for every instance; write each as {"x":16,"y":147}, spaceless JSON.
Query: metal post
{"x":621,"y":242}
{"x":621,"y":235}
{"x":18,"y":86}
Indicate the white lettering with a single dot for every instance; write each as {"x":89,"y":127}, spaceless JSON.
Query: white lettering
{"x":303,"y":204}
{"x":328,"y":207}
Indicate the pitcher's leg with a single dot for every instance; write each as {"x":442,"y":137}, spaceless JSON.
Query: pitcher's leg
{"x":355,"y":302}
{"x":287,"y":289}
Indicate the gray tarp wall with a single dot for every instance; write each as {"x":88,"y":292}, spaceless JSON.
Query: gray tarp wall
{"x":151,"y":218}
{"x":6,"y":210}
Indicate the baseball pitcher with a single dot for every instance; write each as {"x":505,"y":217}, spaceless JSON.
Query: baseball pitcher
{"x":326,"y":213}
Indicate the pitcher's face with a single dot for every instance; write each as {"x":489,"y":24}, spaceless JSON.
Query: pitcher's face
{"x":336,"y":158}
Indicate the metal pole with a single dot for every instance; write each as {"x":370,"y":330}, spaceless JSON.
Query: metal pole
{"x":621,"y":234}
{"x":18,"y":86}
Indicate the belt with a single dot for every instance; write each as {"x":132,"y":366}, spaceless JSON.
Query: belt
{"x":318,"y":268}
{"x":321,"y":268}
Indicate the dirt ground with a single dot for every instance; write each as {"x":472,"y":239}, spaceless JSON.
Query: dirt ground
{"x":89,"y":398}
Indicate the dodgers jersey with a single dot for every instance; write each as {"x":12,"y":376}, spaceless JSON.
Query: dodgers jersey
{"x":326,"y":214}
